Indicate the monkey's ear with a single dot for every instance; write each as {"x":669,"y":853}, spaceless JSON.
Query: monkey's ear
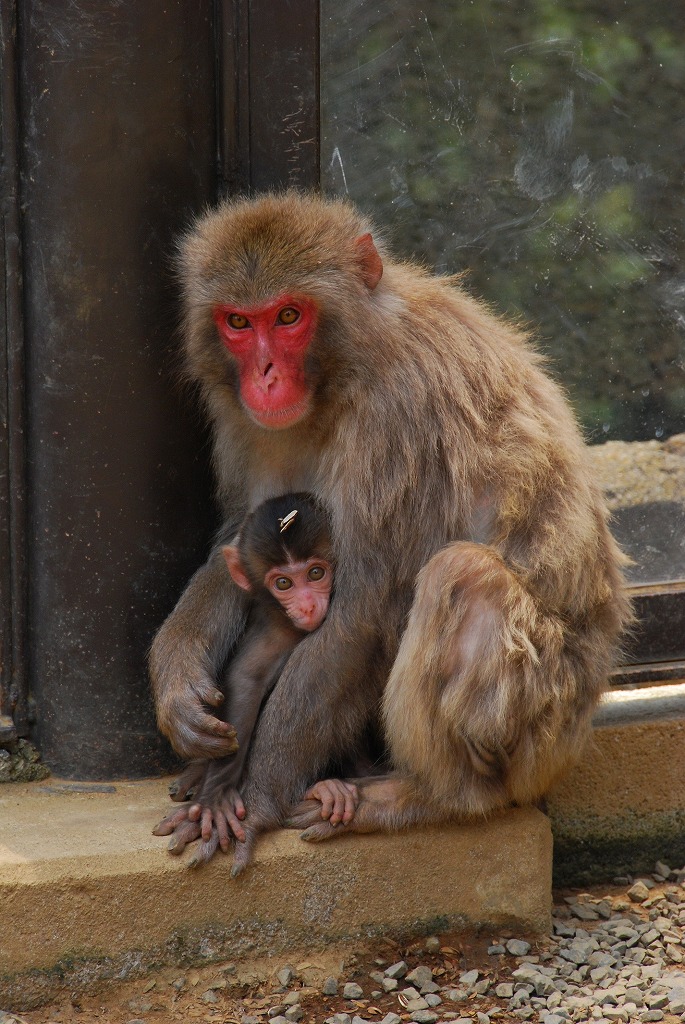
{"x":230,"y":553}
{"x":370,"y":263}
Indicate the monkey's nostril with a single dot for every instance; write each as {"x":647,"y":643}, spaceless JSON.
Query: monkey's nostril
{"x":268,"y":369}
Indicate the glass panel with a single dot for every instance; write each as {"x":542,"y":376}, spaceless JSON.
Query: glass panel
{"x":540,"y":147}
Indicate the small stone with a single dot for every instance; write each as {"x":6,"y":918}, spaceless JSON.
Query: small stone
{"x":517,"y":947}
{"x":552,"y":1018}
{"x":423,"y":1016}
{"x":432,"y":944}
{"x":584,"y":913}
{"x":433,"y":999}
{"x":210,"y":997}
{"x":662,"y":869}
{"x":358,"y":1020}
{"x":455,"y":995}
{"x":291,"y":999}
{"x":391,"y":1018}
{"x":650,"y":1016}
{"x":638,"y":893}
{"x":389,"y":984}
{"x":330,"y":987}
{"x":469,"y":978}
{"x":285,"y":976}
{"x":178,"y":984}
{"x":294,"y":1013}
{"x":416,"y":1004}
{"x":352,"y":991}
{"x":407,"y":994}
{"x":561,"y":928}
{"x":482,"y":1018}
{"x":149,"y":987}
{"x":657,"y":1001}
{"x":481,"y":987}
{"x":504,"y":990}
{"x":676,"y":1000}
{"x":339,"y":1018}
{"x":397,"y":970}
{"x":280,"y":1019}
{"x":275,"y":1011}
{"x":496,"y":950}
{"x":421,"y":975}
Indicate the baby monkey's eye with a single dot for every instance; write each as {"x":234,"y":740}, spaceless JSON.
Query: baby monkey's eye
{"x":237,"y":321}
{"x":317,"y":572}
{"x":288,"y":315}
{"x":283,"y":583}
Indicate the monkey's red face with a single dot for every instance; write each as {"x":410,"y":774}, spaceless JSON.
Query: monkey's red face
{"x":303,"y":589}
{"x":269,"y":343}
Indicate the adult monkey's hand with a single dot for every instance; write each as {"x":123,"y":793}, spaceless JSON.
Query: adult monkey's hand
{"x":210,"y":614}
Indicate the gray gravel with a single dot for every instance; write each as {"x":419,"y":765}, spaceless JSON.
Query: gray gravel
{"x":620,"y":958}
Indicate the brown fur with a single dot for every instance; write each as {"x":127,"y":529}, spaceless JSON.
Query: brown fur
{"x":460,"y":497}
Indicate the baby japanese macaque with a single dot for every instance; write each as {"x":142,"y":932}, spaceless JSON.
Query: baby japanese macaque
{"x":283,"y":558}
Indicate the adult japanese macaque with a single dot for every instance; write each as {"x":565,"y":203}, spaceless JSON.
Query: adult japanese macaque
{"x":478,"y":596}
{"x":283,"y":559}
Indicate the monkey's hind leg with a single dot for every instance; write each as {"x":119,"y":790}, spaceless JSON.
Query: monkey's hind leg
{"x":483,"y":704}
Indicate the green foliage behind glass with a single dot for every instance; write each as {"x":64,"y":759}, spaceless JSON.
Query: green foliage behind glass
{"x":540,"y":146}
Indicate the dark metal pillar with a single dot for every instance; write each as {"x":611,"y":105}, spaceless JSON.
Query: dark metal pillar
{"x":269,"y":123}
{"x":13,"y":674}
{"x":117,"y":152}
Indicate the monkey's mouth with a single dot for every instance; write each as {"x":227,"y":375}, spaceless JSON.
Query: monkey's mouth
{"x":279,"y":419}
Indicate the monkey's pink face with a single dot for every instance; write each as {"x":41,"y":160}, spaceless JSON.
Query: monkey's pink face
{"x":269,"y":343}
{"x":303,"y":589}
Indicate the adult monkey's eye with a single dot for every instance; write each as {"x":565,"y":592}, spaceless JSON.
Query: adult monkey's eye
{"x":317,"y":572}
{"x":283,"y":583}
{"x":237,"y":322}
{"x":288,"y":315}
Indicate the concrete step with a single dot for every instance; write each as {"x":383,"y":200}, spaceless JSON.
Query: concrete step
{"x":622,"y":807}
{"x":85,"y":886}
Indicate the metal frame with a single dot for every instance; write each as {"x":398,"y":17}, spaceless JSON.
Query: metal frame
{"x":14,"y":717}
{"x":268,"y":95}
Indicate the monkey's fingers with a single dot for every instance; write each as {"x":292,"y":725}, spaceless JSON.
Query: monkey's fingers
{"x":195,"y":732}
{"x":306,"y":813}
{"x":206,"y":824}
{"x":231,"y":814}
{"x":185,"y":786}
{"x":169,"y":824}
{"x":185,"y":833}
{"x":205,"y":850}
{"x":243,"y":853}
{"x":339,"y":799}
{"x":321,"y":831}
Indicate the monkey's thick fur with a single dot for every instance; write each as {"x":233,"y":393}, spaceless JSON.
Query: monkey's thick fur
{"x":479,"y":594}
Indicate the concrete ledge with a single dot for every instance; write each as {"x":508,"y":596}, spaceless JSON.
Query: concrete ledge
{"x":643,"y":704}
{"x":82,"y":878}
{"x":622,"y":807}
